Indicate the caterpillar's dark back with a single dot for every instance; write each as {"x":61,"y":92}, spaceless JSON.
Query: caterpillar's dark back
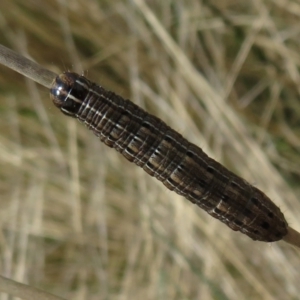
{"x":163,"y":153}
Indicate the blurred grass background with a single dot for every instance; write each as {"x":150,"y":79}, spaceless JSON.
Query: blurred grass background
{"x":80,"y":221}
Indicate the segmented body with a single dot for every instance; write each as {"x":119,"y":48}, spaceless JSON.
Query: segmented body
{"x":163,"y":153}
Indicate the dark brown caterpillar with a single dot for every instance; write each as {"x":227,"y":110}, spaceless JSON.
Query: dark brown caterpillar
{"x":163,"y":153}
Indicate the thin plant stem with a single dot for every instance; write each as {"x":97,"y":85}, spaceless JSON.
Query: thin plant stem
{"x":26,"y":67}
{"x":24,"y":291}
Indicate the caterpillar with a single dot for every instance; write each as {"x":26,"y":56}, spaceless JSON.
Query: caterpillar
{"x":165,"y":154}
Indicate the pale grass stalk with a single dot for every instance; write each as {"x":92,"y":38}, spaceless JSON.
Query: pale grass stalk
{"x":23,"y":291}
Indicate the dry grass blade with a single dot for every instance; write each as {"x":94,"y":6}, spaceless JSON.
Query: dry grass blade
{"x":26,"y":67}
{"x":292,"y":237}
{"x":24,"y":291}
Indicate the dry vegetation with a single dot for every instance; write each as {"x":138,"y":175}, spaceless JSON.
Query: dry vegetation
{"x":77,"y":219}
